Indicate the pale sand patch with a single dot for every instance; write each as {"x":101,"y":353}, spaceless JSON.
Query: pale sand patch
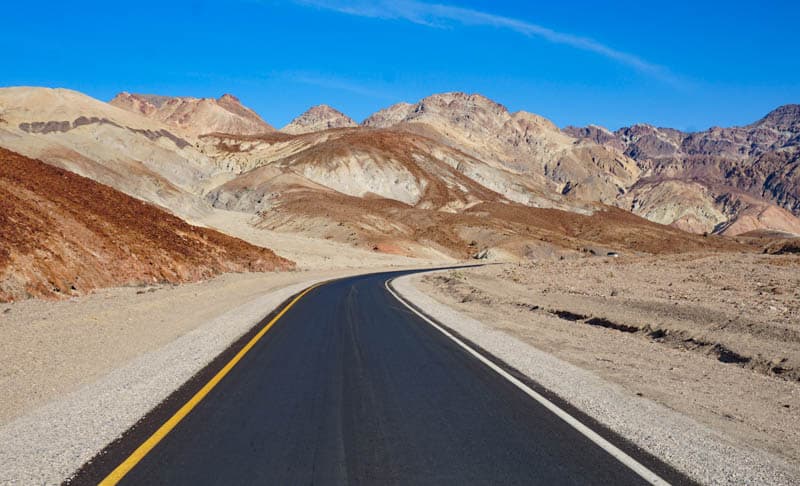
{"x":306,"y":251}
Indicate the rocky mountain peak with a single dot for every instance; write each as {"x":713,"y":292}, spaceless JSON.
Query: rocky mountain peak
{"x":784,"y":118}
{"x":457,"y":104}
{"x":456,"y":108}
{"x":233,"y":105}
{"x":534,"y":121}
{"x":317,"y":118}
{"x":227,"y":97}
{"x":138,"y":103}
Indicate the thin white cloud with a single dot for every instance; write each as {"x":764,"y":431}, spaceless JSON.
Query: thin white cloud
{"x":439,"y":15}
{"x":320,"y":80}
{"x":336,"y":83}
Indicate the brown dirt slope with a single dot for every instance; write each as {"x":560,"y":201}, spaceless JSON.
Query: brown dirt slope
{"x":63,"y":234}
{"x":610,"y":227}
{"x":503,"y":228}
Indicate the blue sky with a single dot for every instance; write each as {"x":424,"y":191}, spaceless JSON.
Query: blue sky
{"x":685,"y":64}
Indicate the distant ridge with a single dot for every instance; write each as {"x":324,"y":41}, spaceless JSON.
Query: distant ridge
{"x":196,"y":116}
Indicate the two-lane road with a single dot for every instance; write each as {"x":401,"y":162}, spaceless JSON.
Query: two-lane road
{"x":349,"y":386}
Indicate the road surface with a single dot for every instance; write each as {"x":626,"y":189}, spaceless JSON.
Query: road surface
{"x":349,"y":386}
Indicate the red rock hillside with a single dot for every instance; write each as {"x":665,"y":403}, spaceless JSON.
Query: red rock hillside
{"x":62,"y":234}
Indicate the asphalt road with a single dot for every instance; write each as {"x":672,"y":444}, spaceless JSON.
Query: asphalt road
{"x":351,"y":387}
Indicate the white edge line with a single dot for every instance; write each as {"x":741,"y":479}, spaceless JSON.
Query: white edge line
{"x":621,"y":456}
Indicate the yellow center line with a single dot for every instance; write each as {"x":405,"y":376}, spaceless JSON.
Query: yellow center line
{"x":124,"y":468}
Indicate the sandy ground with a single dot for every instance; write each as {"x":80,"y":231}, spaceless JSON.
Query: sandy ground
{"x":48,"y":349}
{"x":714,"y":337}
{"x":307,"y":252}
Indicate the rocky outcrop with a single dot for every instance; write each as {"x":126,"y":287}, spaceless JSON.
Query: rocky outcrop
{"x":755,"y":165}
{"x":65,"y":126}
{"x":389,"y":116}
{"x":196,"y":116}
{"x":318,"y":118}
{"x":596,"y":134}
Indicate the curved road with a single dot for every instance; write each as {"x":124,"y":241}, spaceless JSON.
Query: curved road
{"x":351,"y":387}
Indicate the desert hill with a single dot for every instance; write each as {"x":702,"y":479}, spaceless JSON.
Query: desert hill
{"x":317,"y":118}
{"x":725,"y":180}
{"x":638,"y":168}
{"x":451,"y":176}
{"x":196,"y":116}
{"x":64,"y":234}
{"x":390,"y":164}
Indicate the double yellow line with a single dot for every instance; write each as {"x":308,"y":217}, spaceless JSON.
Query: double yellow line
{"x":125,"y":467}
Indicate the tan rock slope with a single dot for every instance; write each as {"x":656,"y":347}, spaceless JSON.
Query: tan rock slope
{"x":389,"y":116}
{"x":318,"y":118}
{"x":522,"y":143}
{"x":141,"y":157}
{"x":196,"y":116}
{"x":390,"y":164}
{"x":64,"y":234}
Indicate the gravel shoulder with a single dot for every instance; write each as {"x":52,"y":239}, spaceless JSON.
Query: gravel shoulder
{"x":78,"y":373}
{"x":49,"y":349}
{"x":711,"y":338}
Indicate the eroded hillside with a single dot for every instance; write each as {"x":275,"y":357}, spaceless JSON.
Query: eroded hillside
{"x":400,"y":192}
{"x":63,"y":234}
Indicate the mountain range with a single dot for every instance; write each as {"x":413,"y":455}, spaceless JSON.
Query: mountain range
{"x":450,"y":176}
{"x":732,"y":180}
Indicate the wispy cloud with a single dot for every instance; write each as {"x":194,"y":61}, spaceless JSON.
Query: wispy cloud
{"x":337,"y":83}
{"x":442,"y":16}
{"x":321,"y":80}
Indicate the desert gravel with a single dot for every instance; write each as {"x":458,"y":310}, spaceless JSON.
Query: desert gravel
{"x":712,"y":336}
